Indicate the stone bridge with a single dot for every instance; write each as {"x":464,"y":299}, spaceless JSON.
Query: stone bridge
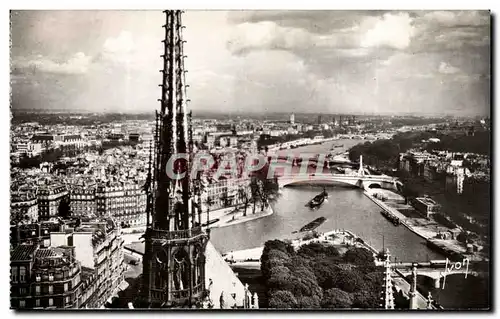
{"x":433,"y":271}
{"x":356,"y":180}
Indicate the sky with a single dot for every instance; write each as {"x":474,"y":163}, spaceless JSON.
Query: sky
{"x":359,"y":62}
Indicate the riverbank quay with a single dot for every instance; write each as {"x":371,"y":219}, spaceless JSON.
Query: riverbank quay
{"x":234,"y":216}
{"x":250,"y":258}
{"x":299,"y":143}
{"x":426,"y":229}
{"x":228,"y":216}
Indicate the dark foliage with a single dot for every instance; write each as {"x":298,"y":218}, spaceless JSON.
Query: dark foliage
{"x":316,"y":250}
{"x":63,"y":210}
{"x":336,"y":298}
{"x":282,"y":299}
{"x":318,"y":276}
{"x":358,"y":256}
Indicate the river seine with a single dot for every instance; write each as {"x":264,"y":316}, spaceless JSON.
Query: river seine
{"x":346,"y":208}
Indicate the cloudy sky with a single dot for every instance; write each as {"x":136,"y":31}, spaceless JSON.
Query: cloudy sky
{"x":426,"y":62}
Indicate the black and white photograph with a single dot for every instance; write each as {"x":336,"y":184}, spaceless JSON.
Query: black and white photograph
{"x":248,"y":160}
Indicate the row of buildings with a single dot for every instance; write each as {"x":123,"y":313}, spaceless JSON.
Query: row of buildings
{"x":65,"y":264}
{"x":442,"y":163}
{"x":125,"y":202}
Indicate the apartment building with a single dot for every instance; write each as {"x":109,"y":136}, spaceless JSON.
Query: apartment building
{"x":23,"y":207}
{"x":226,"y":192}
{"x":83,"y":200}
{"x":34,"y":233}
{"x":98,"y":246}
{"x":49,"y":198}
{"x":125,"y":202}
{"x":45,"y":278}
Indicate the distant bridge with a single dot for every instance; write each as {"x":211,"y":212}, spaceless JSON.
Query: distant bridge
{"x":357,"y":180}
{"x":360,"y":179}
{"x":435,"y":270}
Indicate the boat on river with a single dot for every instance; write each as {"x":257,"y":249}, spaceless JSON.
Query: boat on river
{"x":210,"y":222}
{"x":312,"y":225}
{"x":318,"y":199}
{"x":393,"y":219}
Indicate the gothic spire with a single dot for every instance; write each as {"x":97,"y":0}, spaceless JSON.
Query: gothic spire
{"x":388,"y":298}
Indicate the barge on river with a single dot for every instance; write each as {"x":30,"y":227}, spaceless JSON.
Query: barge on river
{"x":393,"y":219}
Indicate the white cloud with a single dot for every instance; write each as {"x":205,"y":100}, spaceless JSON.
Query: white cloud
{"x":78,"y":64}
{"x":391,"y":30}
{"x":457,"y":18}
{"x":267,"y":35}
{"x":120,"y":48}
{"x":446,"y":68}
{"x":123,"y":43}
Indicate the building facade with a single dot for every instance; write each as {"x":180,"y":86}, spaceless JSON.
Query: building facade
{"x":126,"y":203}
{"x":49,"y":199}
{"x":83,"y":201}
{"x":98,"y":246}
{"x":23,"y":207}
{"x":44,"y":278}
{"x":226,"y":192}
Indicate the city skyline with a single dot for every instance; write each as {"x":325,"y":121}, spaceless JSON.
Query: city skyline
{"x":424,"y":62}
{"x":303,"y":209}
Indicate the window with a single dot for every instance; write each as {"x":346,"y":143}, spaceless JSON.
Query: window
{"x":51,"y":302}
{"x":68,"y":300}
{"x":51,"y":289}
{"x":22,"y":274}
{"x":22,"y":303}
{"x":22,"y":291}
{"x":37,"y":303}
{"x":13,"y":274}
{"x":51,"y":277}
{"x":65,"y":287}
{"x":37,"y":290}
{"x":38,"y":278}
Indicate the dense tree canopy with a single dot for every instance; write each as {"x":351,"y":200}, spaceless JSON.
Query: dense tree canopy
{"x":318,"y":275}
{"x":336,"y":298}
{"x":384,"y":154}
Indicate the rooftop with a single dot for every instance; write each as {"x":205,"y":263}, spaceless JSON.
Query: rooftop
{"x":44,"y":253}
{"x":23,"y":252}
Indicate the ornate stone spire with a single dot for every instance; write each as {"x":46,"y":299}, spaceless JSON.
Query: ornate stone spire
{"x":175,"y":243}
{"x":429,"y":301}
{"x":413,"y":289}
{"x":388,"y":298}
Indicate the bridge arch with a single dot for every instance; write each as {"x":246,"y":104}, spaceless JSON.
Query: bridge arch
{"x":436,"y":277}
{"x":336,"y":179}
{"x":315,"y":182}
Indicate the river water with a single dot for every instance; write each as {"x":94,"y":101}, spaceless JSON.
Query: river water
{"x":346,"y":208}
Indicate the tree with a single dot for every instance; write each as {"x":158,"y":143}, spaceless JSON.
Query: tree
{"x":269,"y":252}
{"x":317,"y":250}
{"x":63,"y":210}
{"x":308,"y":302}
{"x":280,"y":299}
{"x":208,"y":202}
{"x":336,"y":298}
{"x":242,"y":193}
{"x":326,"y":273}
{"x":350,"y":281}
{"x":366,"y":299}
{"x":269,"y":190}
{"x":255,"y":191}
{"x":225,"y":199}
{"x":358,"y":256}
